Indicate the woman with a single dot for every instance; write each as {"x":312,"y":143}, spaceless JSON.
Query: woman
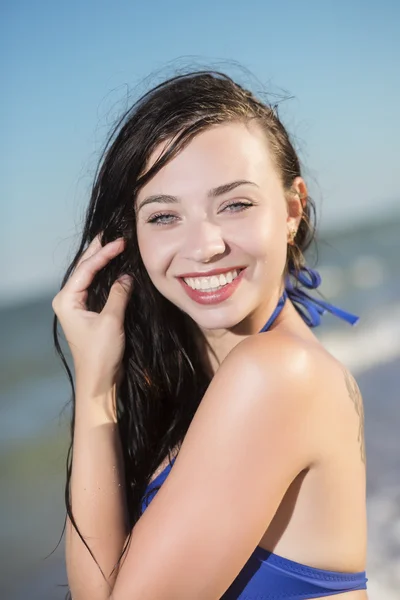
{"x":207,"y":461}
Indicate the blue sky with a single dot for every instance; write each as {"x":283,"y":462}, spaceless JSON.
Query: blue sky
{"x":66,"y":68}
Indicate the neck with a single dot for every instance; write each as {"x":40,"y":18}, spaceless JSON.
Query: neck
{"x":221,"y":341}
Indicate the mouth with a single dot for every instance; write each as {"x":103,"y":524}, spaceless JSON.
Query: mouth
{"x":212,"y":289}
{"x":213,"y":281}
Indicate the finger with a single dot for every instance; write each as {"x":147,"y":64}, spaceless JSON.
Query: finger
{"x":93,"y":247}
{"x":81,"y":279}
{"x":118,"y":297}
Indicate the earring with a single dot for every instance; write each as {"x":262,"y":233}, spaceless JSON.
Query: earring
{"x":292,"y":235}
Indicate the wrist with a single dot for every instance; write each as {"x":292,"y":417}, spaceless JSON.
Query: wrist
{"x":99,"y":399}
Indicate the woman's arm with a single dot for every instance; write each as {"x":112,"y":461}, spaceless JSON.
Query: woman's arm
{"x":252,"y":434}
{"x":255,"y":430}
{"x":97,"y":495}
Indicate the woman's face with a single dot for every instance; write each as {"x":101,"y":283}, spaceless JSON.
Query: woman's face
{"x":213,"y":224}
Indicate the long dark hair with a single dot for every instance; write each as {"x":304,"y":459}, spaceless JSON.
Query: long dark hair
{"x":165,"y":372}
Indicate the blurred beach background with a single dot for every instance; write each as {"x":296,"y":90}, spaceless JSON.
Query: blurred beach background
{"x":67,"y":71}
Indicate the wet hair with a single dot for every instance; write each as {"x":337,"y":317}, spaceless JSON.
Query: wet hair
{"x":165,"y":372}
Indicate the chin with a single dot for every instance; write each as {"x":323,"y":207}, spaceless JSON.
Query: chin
{"x":221,"y":319}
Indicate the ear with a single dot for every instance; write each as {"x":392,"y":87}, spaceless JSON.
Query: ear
{"x":296,"y":201}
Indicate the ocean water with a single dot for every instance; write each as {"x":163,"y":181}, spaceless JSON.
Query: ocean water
{"x":361,"y":273}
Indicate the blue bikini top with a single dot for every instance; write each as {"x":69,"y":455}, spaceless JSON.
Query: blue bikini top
{"x":267,"y":576}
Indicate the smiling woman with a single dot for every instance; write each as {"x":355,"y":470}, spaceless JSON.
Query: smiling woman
{"x":217,"y":447}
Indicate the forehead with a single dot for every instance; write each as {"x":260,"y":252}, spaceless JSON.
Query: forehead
{"x":217,"y":155}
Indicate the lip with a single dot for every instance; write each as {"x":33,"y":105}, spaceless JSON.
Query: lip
{"x":212,"y":272}
{"x":215,"y":297}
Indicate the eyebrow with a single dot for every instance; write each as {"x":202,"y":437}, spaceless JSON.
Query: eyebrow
{"x":213,"y":193}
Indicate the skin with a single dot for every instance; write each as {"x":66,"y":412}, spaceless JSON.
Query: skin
{"x":281,"y":417}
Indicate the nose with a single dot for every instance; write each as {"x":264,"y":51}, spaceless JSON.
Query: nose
{"x":203,"y":241}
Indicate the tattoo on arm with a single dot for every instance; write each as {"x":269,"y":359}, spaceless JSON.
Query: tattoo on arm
{"x":355,"y":397}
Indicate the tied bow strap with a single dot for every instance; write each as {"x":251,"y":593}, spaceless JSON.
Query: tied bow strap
{"x":311,"y":309}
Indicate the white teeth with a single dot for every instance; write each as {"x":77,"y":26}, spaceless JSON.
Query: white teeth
{"x":222,"y":280}
{"x":211,"y":283}
{"x":214,"y":281}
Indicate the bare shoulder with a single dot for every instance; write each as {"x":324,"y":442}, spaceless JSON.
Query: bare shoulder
{"x":291,"y":360}
{"x":272,"y":382}
{"x":279,"y":362}
{"x":310,"y":382}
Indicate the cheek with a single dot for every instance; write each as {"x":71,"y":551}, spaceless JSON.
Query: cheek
{"x":147,"y":251}
{"x":155,"y":251}
{"x":262,"y":238}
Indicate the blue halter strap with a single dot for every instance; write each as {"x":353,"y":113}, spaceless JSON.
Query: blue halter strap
{"x":276,"y":312}
{"x":311,"y":309}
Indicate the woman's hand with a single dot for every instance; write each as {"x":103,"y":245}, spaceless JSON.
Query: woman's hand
{"x":96,"y":340}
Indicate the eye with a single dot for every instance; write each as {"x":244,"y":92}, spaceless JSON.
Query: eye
{"x":161,"y":219}
{"x":168,"y":218}
{"x":237,"y":206}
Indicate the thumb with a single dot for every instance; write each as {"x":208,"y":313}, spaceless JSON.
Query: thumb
{"x":118,"y":298}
